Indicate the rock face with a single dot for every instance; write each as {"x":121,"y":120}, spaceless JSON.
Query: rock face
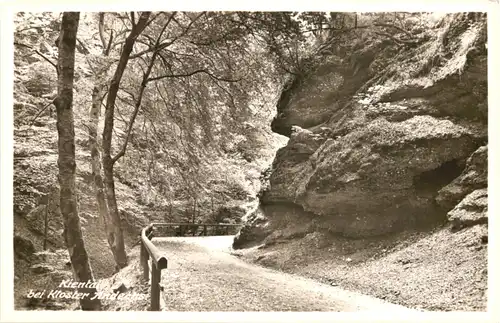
{"x":467,"y":195}
{"x":471,"y":210}
{"x":389,"y":146}
{"x":474,"y":176}
{"x":47,"y":269}
{"x":254,"y":230}
{"x":23,"y":248}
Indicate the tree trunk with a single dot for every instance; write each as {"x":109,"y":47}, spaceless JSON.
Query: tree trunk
{"x":114,"y":227}
{"x":95,"y":155}
{"x":115,"y":232}
{"x":66,"y":162}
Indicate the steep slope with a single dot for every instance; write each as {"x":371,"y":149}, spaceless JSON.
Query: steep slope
{"x":385,"y":138}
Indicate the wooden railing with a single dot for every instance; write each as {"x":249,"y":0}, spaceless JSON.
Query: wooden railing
{"x":195,"y":229}
{"x":158,"y":261}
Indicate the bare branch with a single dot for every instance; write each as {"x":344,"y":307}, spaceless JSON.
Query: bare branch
{"x":83,"y":46}
{"x":193,"y":73}
{"x":395,"y":27}
{"x":397,"y":40}
{"x":158,"y":46}
{"x":152,"y":19}
{"x":120,"y":115}
{"x":101,"y":30}
{"x":132,"y":18}
{"x":108,"y":49}
{"x":212,"y":41}
{"x":337,"y":30}
{"x":41,"y":110}
{"x":123,"y":31}
{"x":129,"y":93}
{"x":36,"y":51}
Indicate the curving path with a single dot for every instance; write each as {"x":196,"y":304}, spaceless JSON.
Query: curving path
{"x":203,"y":276}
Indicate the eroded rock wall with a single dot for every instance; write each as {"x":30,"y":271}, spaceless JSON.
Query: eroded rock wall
{"x":385,"y":145}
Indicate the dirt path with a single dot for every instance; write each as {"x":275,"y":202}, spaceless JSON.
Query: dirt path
{"x":203,"y":276}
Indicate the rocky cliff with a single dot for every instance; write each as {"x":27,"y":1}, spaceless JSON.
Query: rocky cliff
{"x":385,"y":137}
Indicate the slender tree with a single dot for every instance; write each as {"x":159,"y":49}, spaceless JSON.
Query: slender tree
{"x":66,"y":162}
{"x":113,"y":223}
{"x":97,"y":97}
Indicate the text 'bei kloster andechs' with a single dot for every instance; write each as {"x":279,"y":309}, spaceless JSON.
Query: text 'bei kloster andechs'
{"x":75,"y":294}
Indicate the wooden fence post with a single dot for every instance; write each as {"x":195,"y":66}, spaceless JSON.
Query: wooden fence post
{"x":46,"y":228}
{"x":144,"y":261}
{"x":155,"y":287}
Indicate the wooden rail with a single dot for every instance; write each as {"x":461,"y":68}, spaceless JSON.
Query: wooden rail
{"x":193,"y":229}
{"x":158,"y":261}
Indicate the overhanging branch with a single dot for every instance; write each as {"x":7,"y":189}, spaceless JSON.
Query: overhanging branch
{"x":397,"y":40}
{"x":223,"y":79}
{"x":138,"y":102}
{"x":158,"y":47}
{"x":36,"y":51}
{"x":395,"y":27}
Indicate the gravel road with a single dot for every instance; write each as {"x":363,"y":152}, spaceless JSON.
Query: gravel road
{"x":202,"y":275}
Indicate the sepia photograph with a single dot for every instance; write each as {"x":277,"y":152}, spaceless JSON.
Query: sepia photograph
{"x":250,"y":161}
